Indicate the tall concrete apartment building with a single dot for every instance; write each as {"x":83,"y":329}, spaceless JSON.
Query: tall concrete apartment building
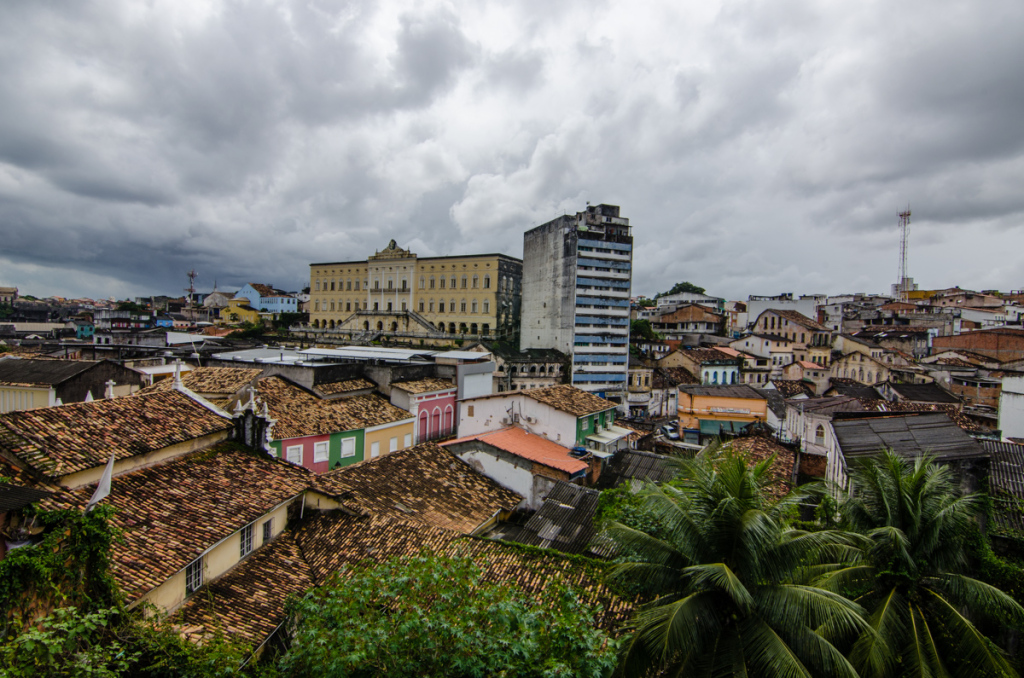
{"x":577,"y":272}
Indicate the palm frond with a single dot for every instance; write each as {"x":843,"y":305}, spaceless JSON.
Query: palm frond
{"x":978,"y":595}
{"x":769,"y":654}
{"x":976,"y":653}
{"x":796,"y":605}
{"x":873,"y":653}
{"x":721,"y":578}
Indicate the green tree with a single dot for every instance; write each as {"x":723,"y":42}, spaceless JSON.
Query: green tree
{"x":913,"y":576}
{"x":643,"y":330}
{"x":727,"y":580}
{"x":681,"y":287}
{"x":435,"y":616}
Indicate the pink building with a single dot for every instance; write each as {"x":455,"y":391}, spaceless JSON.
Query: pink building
{"x":431,"y":402}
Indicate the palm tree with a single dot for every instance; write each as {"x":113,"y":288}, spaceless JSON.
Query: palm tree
{"x":912,"y":574}
{"x":725,"y":576}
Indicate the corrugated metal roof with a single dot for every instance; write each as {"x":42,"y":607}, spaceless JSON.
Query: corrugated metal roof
{"x":910,"y":435}
{"x":565,"y":521}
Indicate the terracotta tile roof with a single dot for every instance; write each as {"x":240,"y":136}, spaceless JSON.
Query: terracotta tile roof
{"x":706,"y":355}
{"x":344,"y":386}
{"x":792,"y":387}
{"x":172,"y":512}
{"x":536,"y":448}
{"x":569,"y":399}
{"x":756,"y":449}
{"x":808,"y":365}
{"x":248,"y":602}
{"x":264,"y":290}
{"x":57,"y":441}
{"x":675,"y":376}
{"x":813,"y":465}
{"x":299,"y":413}
{"x":202,"y":380}
{"x":424,"y":385}
{"x":424,"y":484}
{"x":800,"y":319}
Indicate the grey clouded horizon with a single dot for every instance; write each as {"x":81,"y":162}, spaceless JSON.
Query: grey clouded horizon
{"x":756,"y":147}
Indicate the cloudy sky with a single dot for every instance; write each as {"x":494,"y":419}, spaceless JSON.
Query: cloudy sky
{"x":757,"y":147}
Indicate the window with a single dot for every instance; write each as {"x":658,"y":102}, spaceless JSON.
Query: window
{"x":464,"y":279}
{"x":474,"y":306}
{"x":246,"y":545}
{"x":423,"y":282}
{"x":431,"y":282}
{"x":421,"y":307}
{"x":453,"y":282}
{"x":376,"y":306}
{"x":294,"y":454}
{"x":393,"y":444}
{"x":469,"y":411}
{"x":476,"y":281}
{"x":332,"y":285}
{"x":462,"y":306}
{"x":317,"y":285}
{"x":348,"y":306}
{"x":408,"y":439}
{"x":194,"y":576}
{"x":348,"y":447}
{"x":374,"y":450}
{"x":268,"y":530}
{"x":320,"y":451}
{"x":391,"y":285}
{"x":440,"y":306}
{"x":389,"y":306}
{"x":487,"y":306}
{"x":442,"y":282}
{"x":487,"y":282}
{"x":376,"y":284}
{"x":357,"y":286}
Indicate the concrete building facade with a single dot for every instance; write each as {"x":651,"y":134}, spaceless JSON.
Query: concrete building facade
{"x":395,"y":292}
{"x":576,"y":288}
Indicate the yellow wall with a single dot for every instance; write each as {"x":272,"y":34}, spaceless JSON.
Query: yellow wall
{"x":346,"y":302}
{"x":217,"y":561}
{"x":23,"y":398}
{"x":695,"y":407}
{"x":384,"y":436}
{"x":243,"y":311}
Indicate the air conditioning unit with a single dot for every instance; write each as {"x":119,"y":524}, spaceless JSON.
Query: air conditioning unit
{"x":531,"y":420}
{"x":505,"y":421}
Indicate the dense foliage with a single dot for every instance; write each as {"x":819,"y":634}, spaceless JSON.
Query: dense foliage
{"x":727,"y":579}
{"x":642,"y":330}
{"x":915,"y":574}
{"x":679,"y":288}
{"x":436,"y":616}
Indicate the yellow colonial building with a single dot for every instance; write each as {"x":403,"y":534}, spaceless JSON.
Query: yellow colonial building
{"x":238,"y":311}
{"x":398,"y":294}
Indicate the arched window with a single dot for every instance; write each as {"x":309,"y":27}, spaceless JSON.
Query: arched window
{"x":440,"y":326}
{"x":332,"y":285}
{"x":394,"y":327}
{"x":317,"y":285}
{"x":487,"y":306}
{"x":424,"y":432}
{"x":348,"y":284}
{"x":533,"y":369}
{"x":443,"y":279}
{"x":476,"y":281}
{"x":380,"y":325}
{"x":431,"y":282}
{"x":366,"y":325}
{"x":819,"y":435}
{"x":474,"y":306}
{"x":436,"y":423}
{"x":316,"y":305}
{"x":391,"y":284}
{"x":486,"y":329}
{"x":440,"y":307}
{"x":472,"y":328}
{"x":462,"y":328}
{"x":462,"y":306}
{"x":451,"y":305}
{"x":449,"y":419}
{"x":332,"y":305}
{"x":423,"y":282}
{"x":451,"y":328}
{"x":453,"y":282}
{"x":465,"y":279}
{"x":487,"y":282}
{"x":348,"y":305}
{"x":357,"y":286}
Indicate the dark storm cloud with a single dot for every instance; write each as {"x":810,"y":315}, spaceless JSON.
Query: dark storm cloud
{"x":756,"y":147}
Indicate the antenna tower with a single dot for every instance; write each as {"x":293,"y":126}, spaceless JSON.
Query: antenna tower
{"x":903,"y":282}
{"x":191,"y":289}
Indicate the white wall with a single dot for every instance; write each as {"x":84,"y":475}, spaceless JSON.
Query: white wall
{"x":1011,"y":408}
{"x":535,"y":417}
{"x":511,"y":476}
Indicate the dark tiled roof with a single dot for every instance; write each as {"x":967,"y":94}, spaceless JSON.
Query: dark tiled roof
{"x":424,"y":484}
{"x":800,"y":319}
{"x":756,"y":449}
{"x":344,"y":386}
{"x":813,"y":465}
{"x":203,"y":380}
{"x":33,"y":372}
{"x":1006,"y":482}
{"x":730,"y":391}
{"x":264,"y":290}
{"x":172,"y":512}
{"x":569,"y":399}
{"x":248,"y":602}
{"x":424,"y":385}
{"x":675,"y":376}
{"x":636,"y":465}
{"x":565,"y":521}
{"x":706,"y":355}
{"x":909,"y":435}
{"x":14,"y":497}
{"x":299,"y":413}
{"x":923,"y":393}
{"x":792,"y":387}
{"x":828,"y":404}
{"x":57,"y":441}
{"x":855,"y":389}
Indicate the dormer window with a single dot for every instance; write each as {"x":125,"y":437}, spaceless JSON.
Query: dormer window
{"x":194,"y":576}
{"x":246,"y":541}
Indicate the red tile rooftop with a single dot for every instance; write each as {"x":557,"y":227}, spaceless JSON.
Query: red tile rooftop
{"x":528,"y":446}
